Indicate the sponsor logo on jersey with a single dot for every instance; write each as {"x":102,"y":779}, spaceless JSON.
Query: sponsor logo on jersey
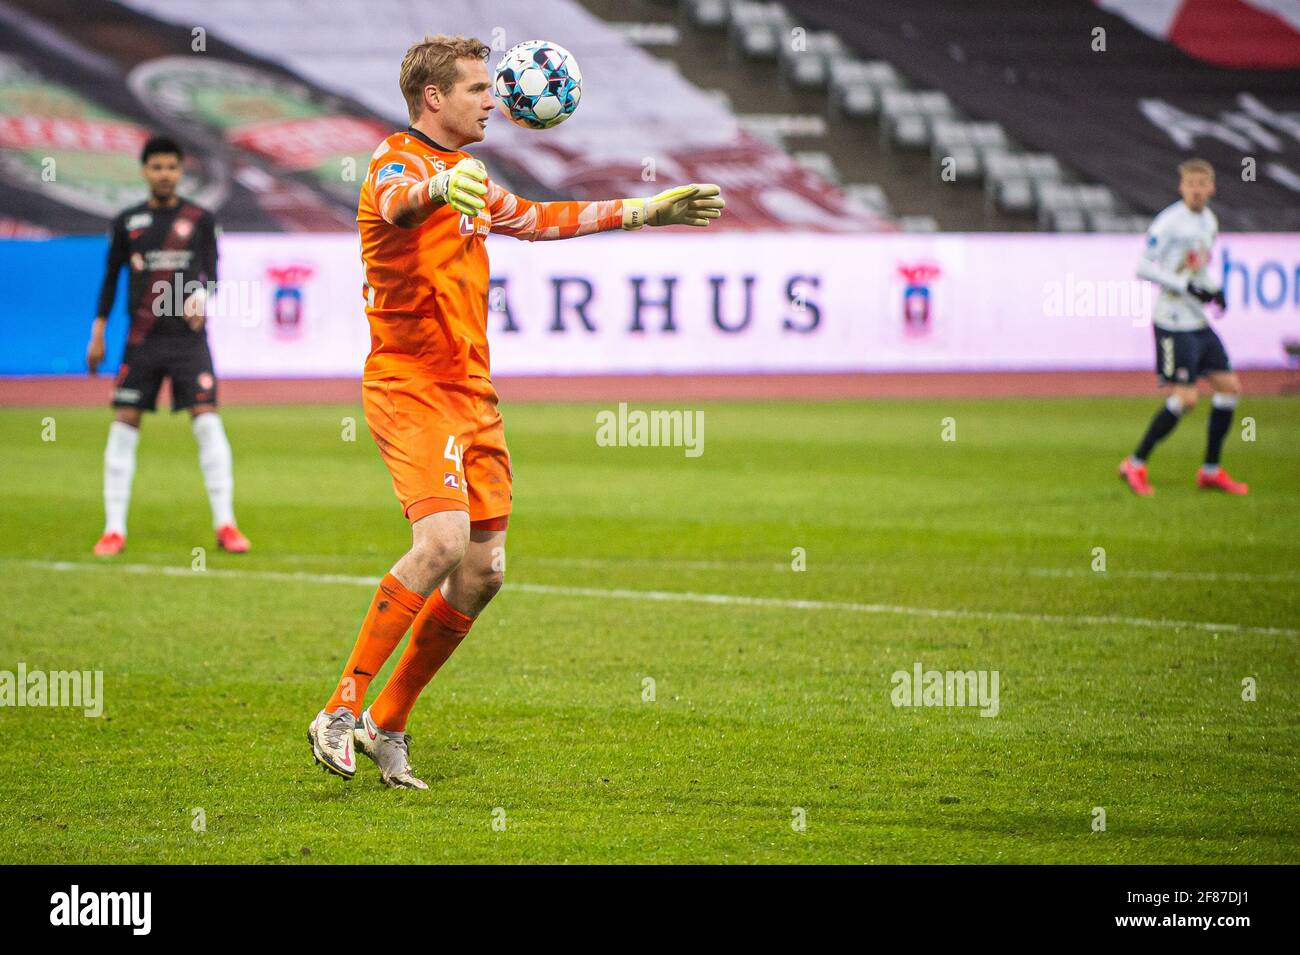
{"x":141,"y":220}
{"x":168,"y":260}
{"x":481,"y":224}
{"x":449,"y":479}
{"x":389,"y":171}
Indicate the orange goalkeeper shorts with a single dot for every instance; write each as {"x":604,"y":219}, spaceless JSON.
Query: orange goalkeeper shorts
{"x":444,"y":444}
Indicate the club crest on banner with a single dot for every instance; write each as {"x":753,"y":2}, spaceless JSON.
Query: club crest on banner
{"x":917,"y":297}
{"x":287,"y":300}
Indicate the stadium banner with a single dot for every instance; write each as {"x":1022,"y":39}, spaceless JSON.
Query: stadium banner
{"x":279,"y":117}
{"x":291,"y":305}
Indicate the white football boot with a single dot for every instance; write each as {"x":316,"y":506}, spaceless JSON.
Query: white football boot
{"x":391,"y":753}
{"x":331,"y":740}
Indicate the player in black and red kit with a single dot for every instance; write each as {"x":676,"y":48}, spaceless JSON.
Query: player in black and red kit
{"x":170,"y":246}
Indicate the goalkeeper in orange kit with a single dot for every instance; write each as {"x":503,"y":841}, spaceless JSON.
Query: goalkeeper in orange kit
{"x":426,"y":207}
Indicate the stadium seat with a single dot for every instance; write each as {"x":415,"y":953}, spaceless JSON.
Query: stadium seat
{"x":906,"y":117}
{"x":757,"y":31}
{"x":707,"y":14}
{"x":804,"y":62}
{"x":854,"y":87}
{"x":967,"y":144}
{"x":1009,"y":180}
{"x":1065,"y":208}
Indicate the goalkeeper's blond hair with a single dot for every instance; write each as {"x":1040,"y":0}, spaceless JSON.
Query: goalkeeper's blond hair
{"x":432,"y":62}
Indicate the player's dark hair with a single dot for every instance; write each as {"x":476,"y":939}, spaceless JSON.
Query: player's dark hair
{"x":161,"y":146}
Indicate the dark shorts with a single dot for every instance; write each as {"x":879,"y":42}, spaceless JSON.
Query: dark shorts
{"x":185,"y":360}
{"x":1182,"y":357}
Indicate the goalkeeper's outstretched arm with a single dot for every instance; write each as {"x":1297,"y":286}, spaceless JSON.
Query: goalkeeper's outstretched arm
{"x":407,"y":202}
{"x":693,"y":205}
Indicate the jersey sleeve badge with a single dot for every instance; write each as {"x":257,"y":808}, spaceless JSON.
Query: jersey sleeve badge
{"x":389,"y":171}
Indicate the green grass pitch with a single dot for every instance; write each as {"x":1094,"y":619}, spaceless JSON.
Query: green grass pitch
{"x":973,"y":554}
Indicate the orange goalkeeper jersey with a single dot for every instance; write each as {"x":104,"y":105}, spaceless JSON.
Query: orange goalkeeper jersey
{"x":426,"y":288}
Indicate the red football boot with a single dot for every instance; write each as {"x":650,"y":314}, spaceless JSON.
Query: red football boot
{"x":1136,"y":478}
{"x":230,"y":540}
{"x":110,"y":545}
{"x":1220,"y":480}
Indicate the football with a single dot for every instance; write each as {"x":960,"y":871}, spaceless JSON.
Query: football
{"x":537,"y":84}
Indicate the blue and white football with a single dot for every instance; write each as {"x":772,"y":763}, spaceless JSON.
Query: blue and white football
{"x":538,"y":84}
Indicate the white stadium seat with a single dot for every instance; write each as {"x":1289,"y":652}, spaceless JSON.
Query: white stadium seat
{"x":1010,"y":178}
{"x":805,"y":60}
{"x":757,"y":31}
{"x":906,"y":117}
{"x":708,"y":14}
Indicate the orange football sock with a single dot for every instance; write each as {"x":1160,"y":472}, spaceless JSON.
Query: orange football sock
{"x":390,"y":614}
{"x":437,"y":632}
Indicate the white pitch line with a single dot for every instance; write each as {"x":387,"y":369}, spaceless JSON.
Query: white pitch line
{"x":1220,"y":575}
{"x":167,"y":570}
{"x":734,"y":600}
{"x":850,"y":607}
{"x":1237,"y":576}
{"x":758,"y":566}
{"x":678,"y":562}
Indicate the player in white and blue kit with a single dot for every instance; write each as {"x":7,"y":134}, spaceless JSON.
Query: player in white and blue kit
{"x":1177,"y":258}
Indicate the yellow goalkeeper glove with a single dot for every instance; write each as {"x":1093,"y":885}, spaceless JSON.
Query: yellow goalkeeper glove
{"x":693,"y":205}
{"x":461,"y":187}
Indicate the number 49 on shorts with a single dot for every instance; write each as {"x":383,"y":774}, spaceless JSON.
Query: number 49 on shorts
{"x":454,"y":452}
